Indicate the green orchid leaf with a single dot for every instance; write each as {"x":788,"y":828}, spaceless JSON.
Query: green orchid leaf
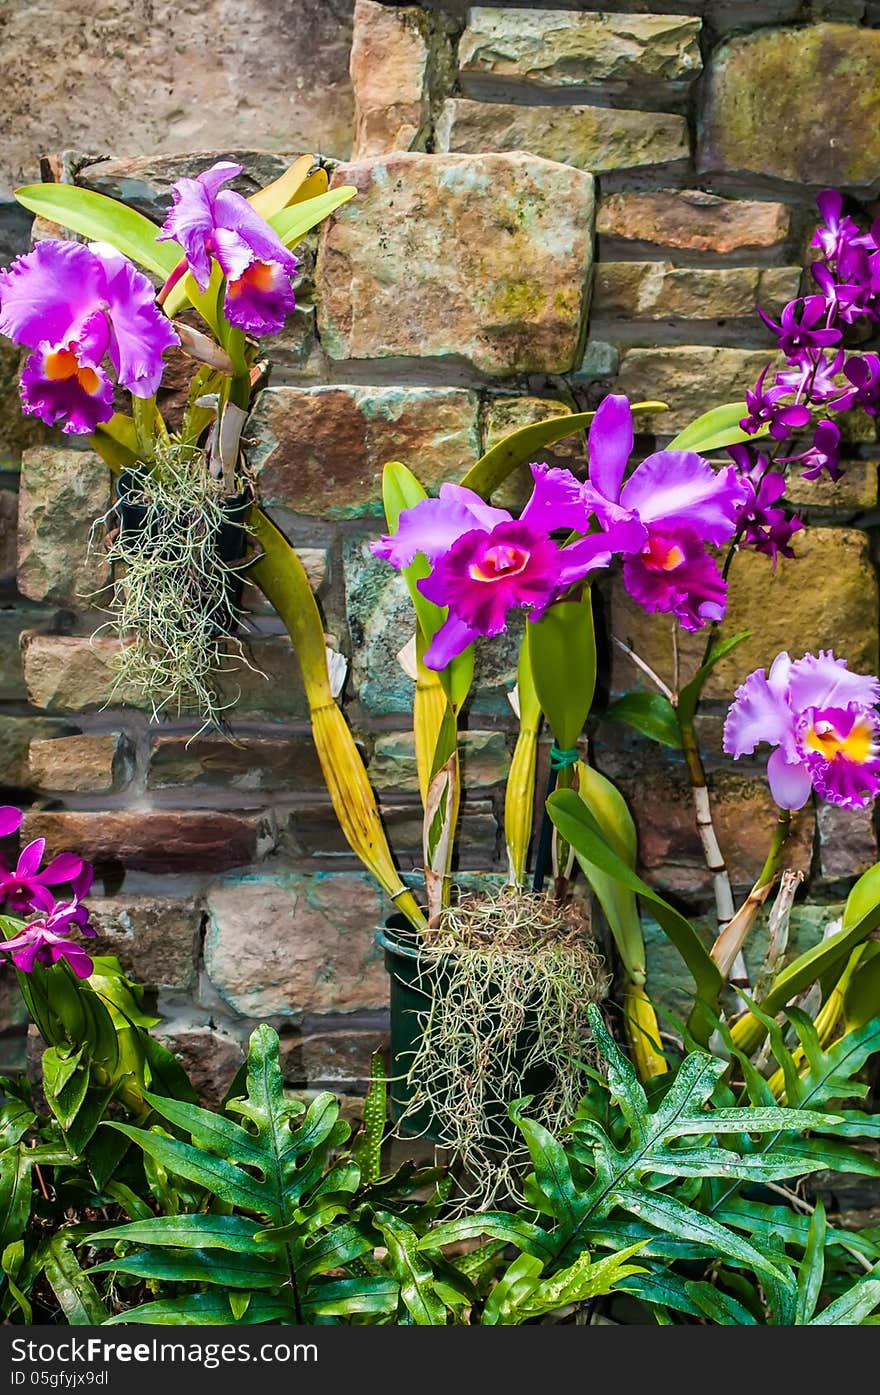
{"x":689,"y":697}
{"x":608,"y":807}
{"x":715,"y":429}
{"x":292,"y":223}
{"x":579,"y":828}
{"x":650,"y":713}
{"x":562,"y":655}
{"x":101,"y":219}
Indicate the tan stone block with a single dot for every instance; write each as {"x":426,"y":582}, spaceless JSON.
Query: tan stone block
{"x":823,"y":598}
{"x":692,"y":220}
{"x":88,"y":764}
{"x":561,"y":48}
{"x":241,"y":763}
{"x":799,"y":104}
{"x":662,"y":291}
{"x":389,"y":75}
{"x":210,"y":1057}
{"x":690,"y":378}
{"x":219,"y":76}
{"x":599,"y":139}
{"x":484,"y":259}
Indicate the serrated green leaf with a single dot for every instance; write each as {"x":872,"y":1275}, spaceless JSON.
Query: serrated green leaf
{"x":205,"y":1309}
{"x":719,"y":1306}
{"x":852,"y":1307}
{"x":412,"y":1272}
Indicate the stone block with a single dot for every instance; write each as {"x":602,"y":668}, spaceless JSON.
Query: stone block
{"x":153,"y":840}
{"x":240,"y":763}
{"x":62,"y":493}
{"x":154,"y":938}
{"x":321,"y":450}
{"x":484,"y":260}
{"x":691,"y":379}
{"x":823,"y":598}
{"x":211,"y":1058}
{"x":389,"y":75}
{"x":91,"y":763}
{"x":799,"y":104}
{"x":661,"y":291}
{"x":562,"y":48}
{"x":847,"y":841}
{"x":269,"y":77}
{"x":600,"y":139}
{"x":692,"y":221}
{"x":296,"y":943}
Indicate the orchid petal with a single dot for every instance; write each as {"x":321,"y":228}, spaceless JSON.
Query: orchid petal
{"x":678,"y":489}
{"x":610,"y":445}
{"x":790,"y":782}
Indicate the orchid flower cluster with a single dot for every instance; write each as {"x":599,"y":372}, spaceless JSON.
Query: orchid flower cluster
{"x":76,"y":307}
{"x":25,"y":891}
{"x":660,"y":522}
{"x":820,"y":376}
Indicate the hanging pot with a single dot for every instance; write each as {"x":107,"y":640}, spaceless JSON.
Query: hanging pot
{"x":230,"y":543}
{"x":417,"y":975}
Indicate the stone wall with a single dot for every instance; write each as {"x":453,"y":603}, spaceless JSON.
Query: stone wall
{"x":552,"y":203}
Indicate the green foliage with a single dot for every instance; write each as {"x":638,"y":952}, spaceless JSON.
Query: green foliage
{"x":664,"y":1173}
{"x":715,"y":429}
{"x":101,"y":219}
{"x":650,"y":713}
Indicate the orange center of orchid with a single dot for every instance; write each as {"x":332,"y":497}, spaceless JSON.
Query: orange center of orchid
{"x":662,"y":555}
{"x":500,"y":561}
{"x":62,"y":364}
{"x":858,"y":746}
{"x":259,"y":277}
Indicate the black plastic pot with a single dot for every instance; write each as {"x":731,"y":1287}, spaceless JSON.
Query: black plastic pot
{"x":416,"y":977}
{"x":230,"y":543}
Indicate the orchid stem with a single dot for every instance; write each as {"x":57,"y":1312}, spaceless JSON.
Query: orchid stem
{"x":646,"y":669}
{"x":777,"y":847}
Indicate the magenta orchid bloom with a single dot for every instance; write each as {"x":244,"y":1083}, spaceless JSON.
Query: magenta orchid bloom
{"x":74,"y":306}
{"x":682,"y":504}
{"x":27,"y":888}
{"x":10,"y":819}
{"x":45,"y":941}
{"x":208,"y":222}
{"x":485,"y":562}
{"x":822,"y":720}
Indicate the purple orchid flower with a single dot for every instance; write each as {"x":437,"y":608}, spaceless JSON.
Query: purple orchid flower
{"x":26,"y":887}
{"x":208,"y":222}
{"x":847,"y":298}
{"x":813,"y":377}
{"x":681,"y":502}
{"x":765,"y":408}
{"x":763,"y":524}
{"x":822,"y":721}
{"x":10,"y":819}
{"x":795,"y":334}
{"x":823,"y":454}
{"x":836,"y":232}
{"x":485,"y":562}
{"x":45,"y":941}
{"x":863,"y":373}
{"x":74,"y":306}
